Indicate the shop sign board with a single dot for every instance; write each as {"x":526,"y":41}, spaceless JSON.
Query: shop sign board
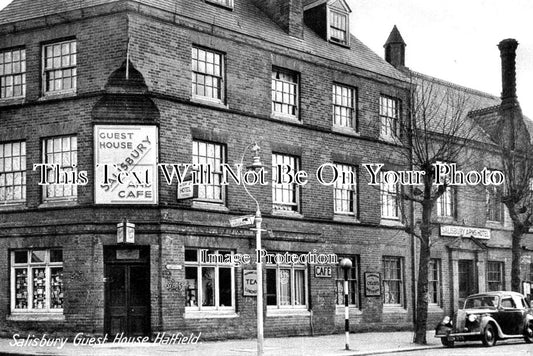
{"x":464,"y":231}
{"x":249,"y":277}
{"x":125,"y":158}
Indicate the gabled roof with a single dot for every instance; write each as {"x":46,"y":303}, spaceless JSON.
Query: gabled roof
{"x":308,"y":4}
{"x":245,"y":18}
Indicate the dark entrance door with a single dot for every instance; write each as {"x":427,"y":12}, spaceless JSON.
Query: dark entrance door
{"x":127,"y":292}
{"x":467,"y":281}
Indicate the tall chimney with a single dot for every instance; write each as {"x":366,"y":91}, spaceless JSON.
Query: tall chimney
{"x":288,"y":14}
{"x":395,"y":48}
{"x":508,"y":55}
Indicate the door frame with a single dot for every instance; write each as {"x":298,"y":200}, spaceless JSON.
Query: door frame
{"x":127,"y":259}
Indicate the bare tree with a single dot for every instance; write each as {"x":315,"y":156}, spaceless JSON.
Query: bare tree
{"x":437,"y":130}
{"x":516,"y":153}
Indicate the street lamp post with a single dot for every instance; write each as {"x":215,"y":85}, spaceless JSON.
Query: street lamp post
{"x":256,"y":164}
{"x":346,"y":264}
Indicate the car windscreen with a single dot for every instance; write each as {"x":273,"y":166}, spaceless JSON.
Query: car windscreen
{"x":481,"y":302}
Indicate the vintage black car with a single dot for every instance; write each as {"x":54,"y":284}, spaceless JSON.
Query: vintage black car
{"x":488,"y":317}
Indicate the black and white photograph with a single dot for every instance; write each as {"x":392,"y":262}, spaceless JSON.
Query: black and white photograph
{"x":266,"y":177}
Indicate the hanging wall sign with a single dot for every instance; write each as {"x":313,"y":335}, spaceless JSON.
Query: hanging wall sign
{"x":125,"y":159}
{"x":249,"y":278}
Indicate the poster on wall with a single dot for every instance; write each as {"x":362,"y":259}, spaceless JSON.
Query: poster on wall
{"x":125,"y":158}
{"x":372,"y":284}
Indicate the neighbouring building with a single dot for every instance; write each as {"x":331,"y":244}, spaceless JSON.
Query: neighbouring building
{"x":108,"y":89}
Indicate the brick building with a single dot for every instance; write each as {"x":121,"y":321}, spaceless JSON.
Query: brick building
{"x":109,"y":88}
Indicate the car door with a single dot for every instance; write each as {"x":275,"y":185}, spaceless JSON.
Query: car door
{"x":508,"y":316}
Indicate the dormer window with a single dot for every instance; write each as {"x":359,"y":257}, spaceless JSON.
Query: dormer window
{"x":338,"y":27}
{"x":224,"y":3}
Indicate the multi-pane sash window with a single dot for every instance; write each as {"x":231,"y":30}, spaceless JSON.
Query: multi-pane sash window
{"x":284,"y":92}
{"x":37,"y":280}
{"x":284,"y":195}
{"x":12,"y":73}
{"x":495,"y":276}
{"x":60,"y":151}
{"x":60,"y":63}
{"x":446,"y":202}
{"x":389,"y":113}
{"x":434,"y":281}
{"x":12,"y":172}
{"x":494,"y":204}
{"x":345,"y":192}
{"x":393,"y":281}
{"x":344,"y":106}
{"x":207,"y":74}
{"x":212,"y":155}
{"x":210,"y":281}
{"x":338,"y":27}
{"x":353,"y":283}
{"x":389,"y":200}
{"x":286,"y":286}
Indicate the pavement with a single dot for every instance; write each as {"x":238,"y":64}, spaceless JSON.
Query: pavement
{"x":373,"y":343}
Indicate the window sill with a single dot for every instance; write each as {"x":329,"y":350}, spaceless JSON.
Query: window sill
{"x":494,"y":224}
{"x":12,"y":100}
{"x":32,"y":316}
{"x":345,"y":130}
{"x":393,"y":308}
{"x":390,"y":222}
{"x":57,"y":204}
{"x":287,"y":213}
{"x":279,"y":312}
{"x":210,"y":102}
{"x":209,"y":206}
{"x":339,"y":310}
{"x":209,"y":314}
{"x":287,"y":118}
{"x":434,"y":308}
{"x":13,"y":206}
{"x":345,"y":218}
{"x":390,"y":139}
{"x":58,"y":95}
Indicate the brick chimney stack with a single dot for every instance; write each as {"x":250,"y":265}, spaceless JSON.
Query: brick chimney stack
{"x":288,"y":14}
{"x":508,"y":55}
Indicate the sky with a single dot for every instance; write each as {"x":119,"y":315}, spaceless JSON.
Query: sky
{"x":454,"y":40}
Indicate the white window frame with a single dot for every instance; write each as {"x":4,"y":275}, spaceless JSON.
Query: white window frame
{"x":281,"y":190}
{"x":285,"y":85}
{"x":16,"y":172}
{"x":332,"y":29}
{"x":344,"y":106}
{"x":29,"y":266}
{"x":435,"y":280}
{"x":399,"y":261}
{"x":199,"y":265}
{"x":57,"y":188}
{"x":345,"y":195}
{"x":292,"y":268}
{"x":389,"y":114}
{"x":216,"y":170}
{"x":353,"y":280}
{"x":9,"y":73}
{"x":390,"y":202}
{"x":212,"y":75}
{"x":62,"y":68}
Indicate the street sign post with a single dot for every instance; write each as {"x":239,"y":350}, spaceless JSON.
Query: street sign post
{"x":242,"y":221}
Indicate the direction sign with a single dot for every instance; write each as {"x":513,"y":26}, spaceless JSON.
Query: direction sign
{"x":242,"y":221}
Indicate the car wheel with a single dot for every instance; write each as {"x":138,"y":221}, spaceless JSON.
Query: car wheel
{"x":528,"y":333}
{"x":489,"y":336}
{"x":446,"y":342}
